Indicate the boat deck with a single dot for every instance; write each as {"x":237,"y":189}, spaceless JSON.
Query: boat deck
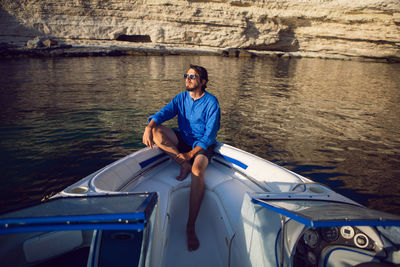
{"x":240,"y":221}
{"x":217,"y":217}
{"x":177,"y":253}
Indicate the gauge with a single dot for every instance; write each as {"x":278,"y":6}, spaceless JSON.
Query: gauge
{"x":330,"y":234}
{"x":361,"y":240}
{"x":301,"y":248}
{"x":347,"y":232}
{"x":311,"y":238}
{"x":311,"y":258}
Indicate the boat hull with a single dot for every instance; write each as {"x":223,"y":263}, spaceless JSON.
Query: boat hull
{"x":252,"y":214}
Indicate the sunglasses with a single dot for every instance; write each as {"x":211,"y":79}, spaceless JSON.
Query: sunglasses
{"x":190,"y":76}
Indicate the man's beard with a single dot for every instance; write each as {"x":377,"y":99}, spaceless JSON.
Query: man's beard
{"x":190,"y":89}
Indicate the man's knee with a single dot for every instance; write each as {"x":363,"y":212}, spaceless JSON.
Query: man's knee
{"x":157,"y":130}
{"x":197,"y":171}
{"x":157,"y":134}
{"x":199,"y":165}
{"x":164,"y":136}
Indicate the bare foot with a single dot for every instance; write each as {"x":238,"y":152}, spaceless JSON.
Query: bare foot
{"x":193,"y":242}
{"x":185,"y":170}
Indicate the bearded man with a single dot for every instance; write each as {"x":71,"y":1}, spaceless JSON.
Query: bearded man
{"x":192,"y":146}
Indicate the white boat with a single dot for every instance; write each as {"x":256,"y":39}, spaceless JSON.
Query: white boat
{"x":254,"y":213}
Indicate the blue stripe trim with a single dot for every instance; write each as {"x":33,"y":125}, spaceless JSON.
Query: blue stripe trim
{"x":234,"y":161}
{"x":69,"y":227}
{"x":284,"y":212}
{"x":99,"y":218}
{"x":151,"y":160}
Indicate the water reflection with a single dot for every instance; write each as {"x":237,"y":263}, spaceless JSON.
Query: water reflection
{"x":336,"y":122}
{"x":327,"y":119}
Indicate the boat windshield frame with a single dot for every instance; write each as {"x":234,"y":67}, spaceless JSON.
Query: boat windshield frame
{"x":121,"y":211}
{"x":321,"y":213}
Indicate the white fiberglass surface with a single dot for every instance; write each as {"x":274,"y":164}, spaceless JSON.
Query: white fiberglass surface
{"x":211,"y":252}
{"x":217,"y":218}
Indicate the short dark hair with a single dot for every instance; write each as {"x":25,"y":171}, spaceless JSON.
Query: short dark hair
{"x":202,"y":72}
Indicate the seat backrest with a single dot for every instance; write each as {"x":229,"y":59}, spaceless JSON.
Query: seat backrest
{"x":337,"y":256}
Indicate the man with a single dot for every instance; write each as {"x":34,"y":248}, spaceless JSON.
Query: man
{"x":192,"y":146}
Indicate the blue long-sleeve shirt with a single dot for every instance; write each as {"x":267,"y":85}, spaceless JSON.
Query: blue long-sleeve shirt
{"x":198,"y":120}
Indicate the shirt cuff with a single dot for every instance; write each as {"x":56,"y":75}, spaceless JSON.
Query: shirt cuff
{"x":153,"y":118}
{"x":200,"y":144}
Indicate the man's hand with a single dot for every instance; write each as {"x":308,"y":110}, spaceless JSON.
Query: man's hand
{"x":148,"y":137}
{"x":148,"y":134}
{"x":182,"y":157}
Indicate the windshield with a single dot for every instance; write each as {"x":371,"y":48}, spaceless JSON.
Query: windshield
{"x":128,"y":211}
{"x":314,"y":213}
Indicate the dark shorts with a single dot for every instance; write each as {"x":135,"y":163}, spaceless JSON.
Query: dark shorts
{"x":183,"y":148}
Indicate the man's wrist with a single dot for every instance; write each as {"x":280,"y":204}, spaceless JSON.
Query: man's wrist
{"x":194,"y":151}
{"x":151,"y":125}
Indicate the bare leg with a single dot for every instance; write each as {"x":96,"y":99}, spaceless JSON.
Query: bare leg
{"x":196,"y":197}
{"x":167,"y":141}
{"x":185,"y":170}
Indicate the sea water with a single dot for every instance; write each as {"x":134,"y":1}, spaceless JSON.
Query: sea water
{"x":336,"y":122}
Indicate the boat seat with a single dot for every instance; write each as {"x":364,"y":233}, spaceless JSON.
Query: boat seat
{"x":112,"y":179}
{"x":168,"y":176}
{"x":374,"y":264}
{"x":231,"y":195}
{"x":119,"y":173}
{"x":214,"y":177}
{"x":341,"y":256}
{"x":256,"y":236}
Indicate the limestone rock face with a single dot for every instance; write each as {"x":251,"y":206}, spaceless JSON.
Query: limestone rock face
{"x":366,"y":28}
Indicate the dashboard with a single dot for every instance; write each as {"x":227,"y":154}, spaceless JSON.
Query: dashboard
{"x":313,"y":241}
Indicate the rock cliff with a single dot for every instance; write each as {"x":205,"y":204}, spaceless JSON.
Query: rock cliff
{"x":325,"y":28}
